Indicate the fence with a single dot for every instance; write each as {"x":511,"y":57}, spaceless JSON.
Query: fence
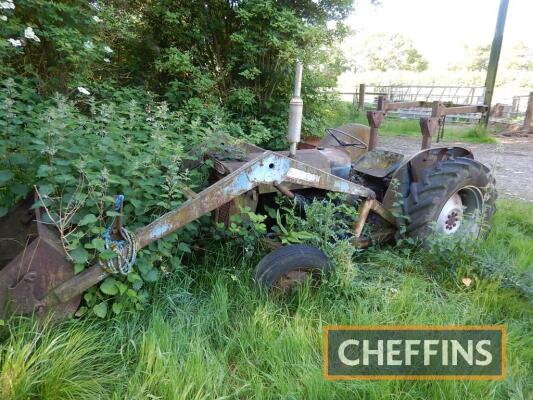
{"x":366,"y":98}
{"x":471,"y":95}
{"x":519,"y":106}
{"x":434,"y":124}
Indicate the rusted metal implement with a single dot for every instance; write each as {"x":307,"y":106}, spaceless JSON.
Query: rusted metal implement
{"x":37,"y":278}
{"x":35,"y":263}
{"x":428,"y":125}
{"x":266,"y":169}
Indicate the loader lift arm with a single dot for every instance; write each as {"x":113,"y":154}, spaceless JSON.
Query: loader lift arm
{"x":269,"y":168}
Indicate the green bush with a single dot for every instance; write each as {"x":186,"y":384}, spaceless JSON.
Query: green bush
{"x":235,"y":56}
{"x":79,"y":160}
{"x":239,"y":54}
{"x":56,"y":44}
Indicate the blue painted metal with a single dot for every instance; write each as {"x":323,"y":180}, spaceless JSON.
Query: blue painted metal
{"x":268,"y":168}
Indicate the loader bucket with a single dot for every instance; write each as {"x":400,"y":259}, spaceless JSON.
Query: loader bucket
{"x":32,"y":261}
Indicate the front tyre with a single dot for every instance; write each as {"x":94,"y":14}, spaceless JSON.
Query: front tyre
{"x":285,"y":269}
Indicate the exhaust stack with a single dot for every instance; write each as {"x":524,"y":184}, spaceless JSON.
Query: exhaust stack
{"x":295,"y":112}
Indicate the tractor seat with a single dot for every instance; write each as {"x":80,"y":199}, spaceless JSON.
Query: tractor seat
{"x":378,"y":163}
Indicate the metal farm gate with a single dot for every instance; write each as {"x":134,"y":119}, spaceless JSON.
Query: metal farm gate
{"x":367,"y":96}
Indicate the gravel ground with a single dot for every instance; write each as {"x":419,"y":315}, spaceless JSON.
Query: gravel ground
{"x":510,"y":158}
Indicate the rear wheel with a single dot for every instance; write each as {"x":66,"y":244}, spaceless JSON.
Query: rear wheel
{"x":458,"y":196}
{"x":285,"y":269}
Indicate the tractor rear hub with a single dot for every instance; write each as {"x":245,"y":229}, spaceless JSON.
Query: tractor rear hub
{"x":451,"y":216}
{"x":462,"y":210}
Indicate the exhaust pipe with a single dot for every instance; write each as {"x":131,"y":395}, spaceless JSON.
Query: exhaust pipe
{"x":295,"y":112}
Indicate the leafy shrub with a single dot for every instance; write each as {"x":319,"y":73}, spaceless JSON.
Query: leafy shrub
{"x":325,"y":223}
{"x":56,"y":44}
{"x":239,"y":55}
{"x":245,"y":230}
{"x":79,"y":161}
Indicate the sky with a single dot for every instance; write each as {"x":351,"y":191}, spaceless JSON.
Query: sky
{"x":440,"y":28}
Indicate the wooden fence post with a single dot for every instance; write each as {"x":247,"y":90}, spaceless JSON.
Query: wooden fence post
{"x":375,"y":118}
{"x":381,"y":102}
{"x":361,"y":101}
{"x":436,"y":114}
{"x":428,"y":126}
{"x":436,"y":108}
{"x":528,"y":119}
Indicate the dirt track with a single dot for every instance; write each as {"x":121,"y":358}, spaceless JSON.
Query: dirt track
{"x":511,"y":159}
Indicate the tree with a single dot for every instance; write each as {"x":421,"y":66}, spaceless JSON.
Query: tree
{"x":239,"y":54}
{"x":521,"y":57}
{"x":234,"y":57}
{"x":518,"y":57}
{"x":385,"y":51}
{"x":477,"y":58}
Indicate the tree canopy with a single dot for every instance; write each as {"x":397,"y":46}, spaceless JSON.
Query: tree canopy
{"x":517,"y":57}
{"x":387,"y":52}
{"x":233,"y":55}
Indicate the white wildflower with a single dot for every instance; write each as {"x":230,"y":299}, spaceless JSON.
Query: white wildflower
{"x":107,"y":60}
{"x":108,"y":49}
{"x":3,"y":18}
{"x":15,"y":42}
{"x":84,"y":91}
{"x":7,"y":5}
{"x":95,"y":5}
{"x":96,"y":18}
{"x":30,"y":34}
{"x":88,"y":44}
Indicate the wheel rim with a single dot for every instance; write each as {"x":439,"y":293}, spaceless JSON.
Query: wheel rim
{"x":289,"y":281}
{"x":461,"y":212}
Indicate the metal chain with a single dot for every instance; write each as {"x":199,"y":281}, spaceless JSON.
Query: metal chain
{"x":125,"y":249}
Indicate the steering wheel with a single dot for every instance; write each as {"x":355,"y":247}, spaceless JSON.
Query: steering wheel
{"x":359,"y":145}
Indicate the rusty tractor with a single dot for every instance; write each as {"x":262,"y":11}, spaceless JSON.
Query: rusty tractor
{"x":441,"y":189}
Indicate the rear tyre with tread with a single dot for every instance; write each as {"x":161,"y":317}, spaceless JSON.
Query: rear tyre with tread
{"x":457,"y":195}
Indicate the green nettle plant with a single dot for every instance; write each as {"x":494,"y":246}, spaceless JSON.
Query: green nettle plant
{"x":325,"y":223}
{"x":79,"y":162}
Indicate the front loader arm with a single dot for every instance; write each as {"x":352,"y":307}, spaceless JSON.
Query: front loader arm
{"x":269,"y":168}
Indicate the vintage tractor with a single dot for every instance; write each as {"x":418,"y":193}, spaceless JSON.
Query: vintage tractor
{"x":441,"y":188}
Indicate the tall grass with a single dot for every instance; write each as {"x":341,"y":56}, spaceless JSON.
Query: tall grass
{"x":208,"y":334}
{"x":68,"y":361}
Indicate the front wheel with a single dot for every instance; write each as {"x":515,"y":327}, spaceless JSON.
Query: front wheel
{"x":288,"y":267}
{"x":457,"y":197}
